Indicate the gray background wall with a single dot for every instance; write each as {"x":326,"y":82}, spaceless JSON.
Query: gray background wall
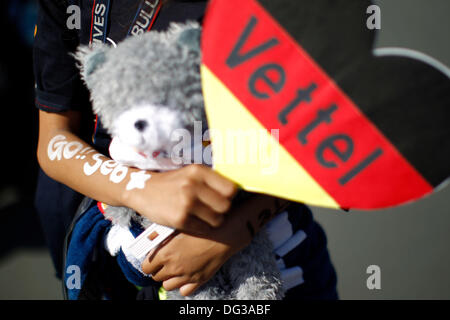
{"x":411,"y":244}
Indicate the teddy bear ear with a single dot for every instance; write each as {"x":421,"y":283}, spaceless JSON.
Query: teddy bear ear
{"x":190,"y":38}
{"x":90,"y":59}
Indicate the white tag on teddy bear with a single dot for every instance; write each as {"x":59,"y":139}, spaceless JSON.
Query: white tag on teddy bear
{"x":149,"y":239}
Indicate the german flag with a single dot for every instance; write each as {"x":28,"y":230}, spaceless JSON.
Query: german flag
{"x":355,"y":130}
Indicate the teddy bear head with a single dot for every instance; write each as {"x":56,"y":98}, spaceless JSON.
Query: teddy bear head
{"x":146,"y":86}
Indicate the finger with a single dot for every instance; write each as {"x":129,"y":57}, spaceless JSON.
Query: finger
{"x":151,"y":264}
{"x":161,"y":275}
{"x":213,"y":199}
{"x":219,"y":183}
{"x":207,"y":215}
{"x":174,"y":283}
{"x":150,"y":269}
{"x":189,"y":289}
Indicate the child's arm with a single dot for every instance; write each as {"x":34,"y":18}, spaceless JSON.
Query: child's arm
{"x":187,"y":262}
{"x":183,"y":199}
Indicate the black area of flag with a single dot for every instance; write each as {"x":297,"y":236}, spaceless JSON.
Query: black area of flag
{"x":406,"y":99}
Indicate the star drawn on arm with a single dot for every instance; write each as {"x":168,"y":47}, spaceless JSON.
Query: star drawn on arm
{"x":137,"y":180}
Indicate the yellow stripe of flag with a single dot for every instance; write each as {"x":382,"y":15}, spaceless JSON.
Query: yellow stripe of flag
{"x":264,"y":166}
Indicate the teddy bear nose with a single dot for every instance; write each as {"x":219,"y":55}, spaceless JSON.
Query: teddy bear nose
{"x":141,"y":125}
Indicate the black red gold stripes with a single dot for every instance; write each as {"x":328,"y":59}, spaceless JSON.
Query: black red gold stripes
{"x":328,"y":132}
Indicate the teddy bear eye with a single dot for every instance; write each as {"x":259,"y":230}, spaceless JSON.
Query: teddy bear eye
{"x":140,"y":125}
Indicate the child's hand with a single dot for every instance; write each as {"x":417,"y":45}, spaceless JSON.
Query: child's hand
{"x":187,"y":262}
{"x":189,"y":199}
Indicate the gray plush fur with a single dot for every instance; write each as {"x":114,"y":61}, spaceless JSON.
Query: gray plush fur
{"x":162,"y":68}
{"x":152,"y":67}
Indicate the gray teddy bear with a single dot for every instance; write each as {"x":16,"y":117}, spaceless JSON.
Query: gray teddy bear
{"x":142,"y":90}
